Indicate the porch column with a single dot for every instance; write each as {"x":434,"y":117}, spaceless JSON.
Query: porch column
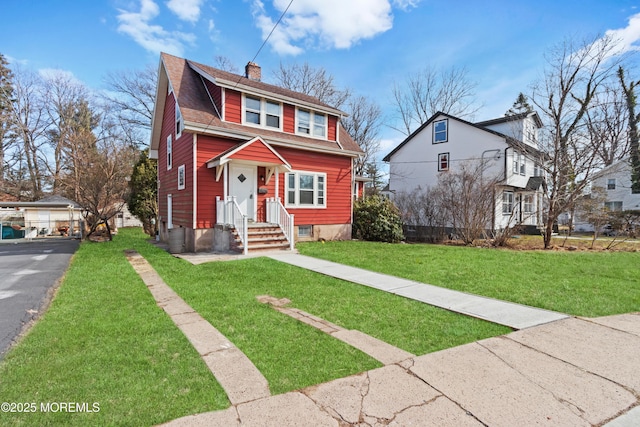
{"x":225,"y":181}
{"x":277,"y":182}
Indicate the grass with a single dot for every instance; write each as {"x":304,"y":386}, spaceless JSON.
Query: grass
{"x":579,"y":283}
{"x":105,"y":340}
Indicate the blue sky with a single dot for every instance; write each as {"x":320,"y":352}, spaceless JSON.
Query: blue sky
{"x":367,"y":45}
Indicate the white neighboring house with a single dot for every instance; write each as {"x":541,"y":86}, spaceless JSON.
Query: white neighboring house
{"x":507,"y":146}
{"x":616,"y":180}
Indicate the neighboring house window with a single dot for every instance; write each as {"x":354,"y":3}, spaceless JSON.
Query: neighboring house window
{"x":528,"y":203}
{"x":169,"y":211}
{"x":443,"y":162}
{"x":181,"y":183}
{"x":306,"y":189}
{"x":440,"y":131}
{"x":518,"y":164}
{"x":611,"y":184}
{"x":507,"y":202}
{"x":179,"y":123}
{"x":262,"y":112}
{"x":169,"y":152}
{"x":537,"y":170}
{"x":312,"y":123}
{"x":531,"y":133}
{"x":613,"y":206}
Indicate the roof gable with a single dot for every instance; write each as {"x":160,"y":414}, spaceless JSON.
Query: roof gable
{"x":187,"y":80}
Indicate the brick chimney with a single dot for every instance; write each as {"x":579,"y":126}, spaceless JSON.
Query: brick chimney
{"x":253,"y":71}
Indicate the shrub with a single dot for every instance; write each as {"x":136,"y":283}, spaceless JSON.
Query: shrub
{"x":376,"y":218}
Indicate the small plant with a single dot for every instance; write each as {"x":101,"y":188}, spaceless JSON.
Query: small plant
{"x":377,"y":219}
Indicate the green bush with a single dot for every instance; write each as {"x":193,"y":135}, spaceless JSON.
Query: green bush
{"x":377,"y":219}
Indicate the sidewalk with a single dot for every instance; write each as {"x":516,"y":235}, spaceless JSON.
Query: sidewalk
{"x":556,"y":371}
{"x":509,"y":314}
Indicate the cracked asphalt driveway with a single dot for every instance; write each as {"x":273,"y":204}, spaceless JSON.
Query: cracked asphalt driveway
{"x":29,"y":271}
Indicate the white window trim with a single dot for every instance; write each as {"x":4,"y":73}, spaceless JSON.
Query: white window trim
{"x":179,"y":122}
{"x":169,"y":152}
{"x":528,"y":207}
{"x":181,"y":174}
{"x":312,"y":124}
{"x":446,"y":131}
{"x":169,"y":211}
{"x":263,"y":113}
{"x":611,"y":184}
{"x":297,"y":204}
{"x":510,"y":203}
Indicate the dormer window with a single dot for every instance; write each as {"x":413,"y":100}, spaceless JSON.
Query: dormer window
{"x":312,"y":123}
{"x":262,"y":112}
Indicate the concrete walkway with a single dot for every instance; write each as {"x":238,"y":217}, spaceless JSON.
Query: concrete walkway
{"x":237,"y":375}
{"x":510,"y":314}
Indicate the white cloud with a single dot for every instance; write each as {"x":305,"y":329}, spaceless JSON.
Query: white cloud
{"x":154,"y":38}
{"x":186,"y":10}
{"x":406,"y":4}
{"x":326,"y":24}
{"x":629,"y":36}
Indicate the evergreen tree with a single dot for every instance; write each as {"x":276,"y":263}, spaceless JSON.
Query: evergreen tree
{"x":143,"y":198}
{"x":520,"y":106}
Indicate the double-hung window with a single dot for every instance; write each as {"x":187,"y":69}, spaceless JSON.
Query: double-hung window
{"x":262,"y":112}
{"x":443,"y":162}
{"x":518,"y":164}
{"x":528,"y":203}
{"x":440,"y":131}
{"x":179,"y":122}
{"x":306,"y":189}
{"x":611,"y":184}
{"x":613,"y":206}
{"x":312,"y":123}
{"x":507,"y":202}
{"x":181,"y":177}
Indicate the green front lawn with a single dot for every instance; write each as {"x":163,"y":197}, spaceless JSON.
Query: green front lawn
{"x":579,"y":283}
{"x":105,"y":340}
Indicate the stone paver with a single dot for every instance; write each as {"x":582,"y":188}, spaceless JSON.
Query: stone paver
{"x":516,"y":316}
{"x":237,"y":375}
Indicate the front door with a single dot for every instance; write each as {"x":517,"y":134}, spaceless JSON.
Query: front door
{"x":243,"y":187}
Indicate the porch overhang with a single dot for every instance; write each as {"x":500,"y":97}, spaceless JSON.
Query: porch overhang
{"x":256,"y":152}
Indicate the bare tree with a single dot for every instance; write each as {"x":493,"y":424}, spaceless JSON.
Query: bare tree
{"x":425,"y":93}
{"x":131,"y":94}
{"x":363,"y":124}
{"x":28,"y":115}
{"x":6,"y":124}
{"x":316,"y":82}
{"x":574,"y":74}
{"x":225,"y":64}
{"x":634,"y":136}
{"x":607,"y":125}
{"x":467,"y":199}
{"x":422,"y":215}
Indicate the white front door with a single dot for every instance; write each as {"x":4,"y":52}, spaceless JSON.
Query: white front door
{"x":243,"y":186}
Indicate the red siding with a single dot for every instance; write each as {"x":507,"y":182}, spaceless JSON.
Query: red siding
{"x":216,"y":94}
{"x":232,"y":106}
{"x":289,"y":122}
{"x":339,"y":190}
{"x":208,"y":187}
{"x":332,"y":128}
{"x":181,"y":155}
{"x":256,"y":152}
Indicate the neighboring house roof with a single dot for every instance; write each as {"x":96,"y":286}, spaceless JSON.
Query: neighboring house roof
{"x":513,"y":118}
{"x":509,"y":140}
{"x":187,"y":79}
{"x":53,"y":201}
{"x":534,"y":183}
{"x":614,"y":168}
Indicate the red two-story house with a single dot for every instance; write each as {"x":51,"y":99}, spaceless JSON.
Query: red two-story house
{"x":236,"y":156}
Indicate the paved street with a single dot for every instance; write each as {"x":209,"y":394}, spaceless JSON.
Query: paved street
{"x":28,"y":271}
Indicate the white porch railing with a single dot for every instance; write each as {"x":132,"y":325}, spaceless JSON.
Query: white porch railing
{"x":277,"y":214}
{"x":228,"y":213}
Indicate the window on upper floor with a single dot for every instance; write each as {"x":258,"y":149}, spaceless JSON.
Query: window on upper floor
{"x":530,"y":131}
{"x":306,"y":189}
{"x":611,"y":184}
{"x":440,"y":131}
{"x":507,"y":202}
{"x":179,"y":122}
{"x":169,"y":152}
{"x":519,"y":164}
{"x":311,"y":123}
{"x":537,"y":170}
{"x":443,"y":162}
{"x":262,"y":112}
